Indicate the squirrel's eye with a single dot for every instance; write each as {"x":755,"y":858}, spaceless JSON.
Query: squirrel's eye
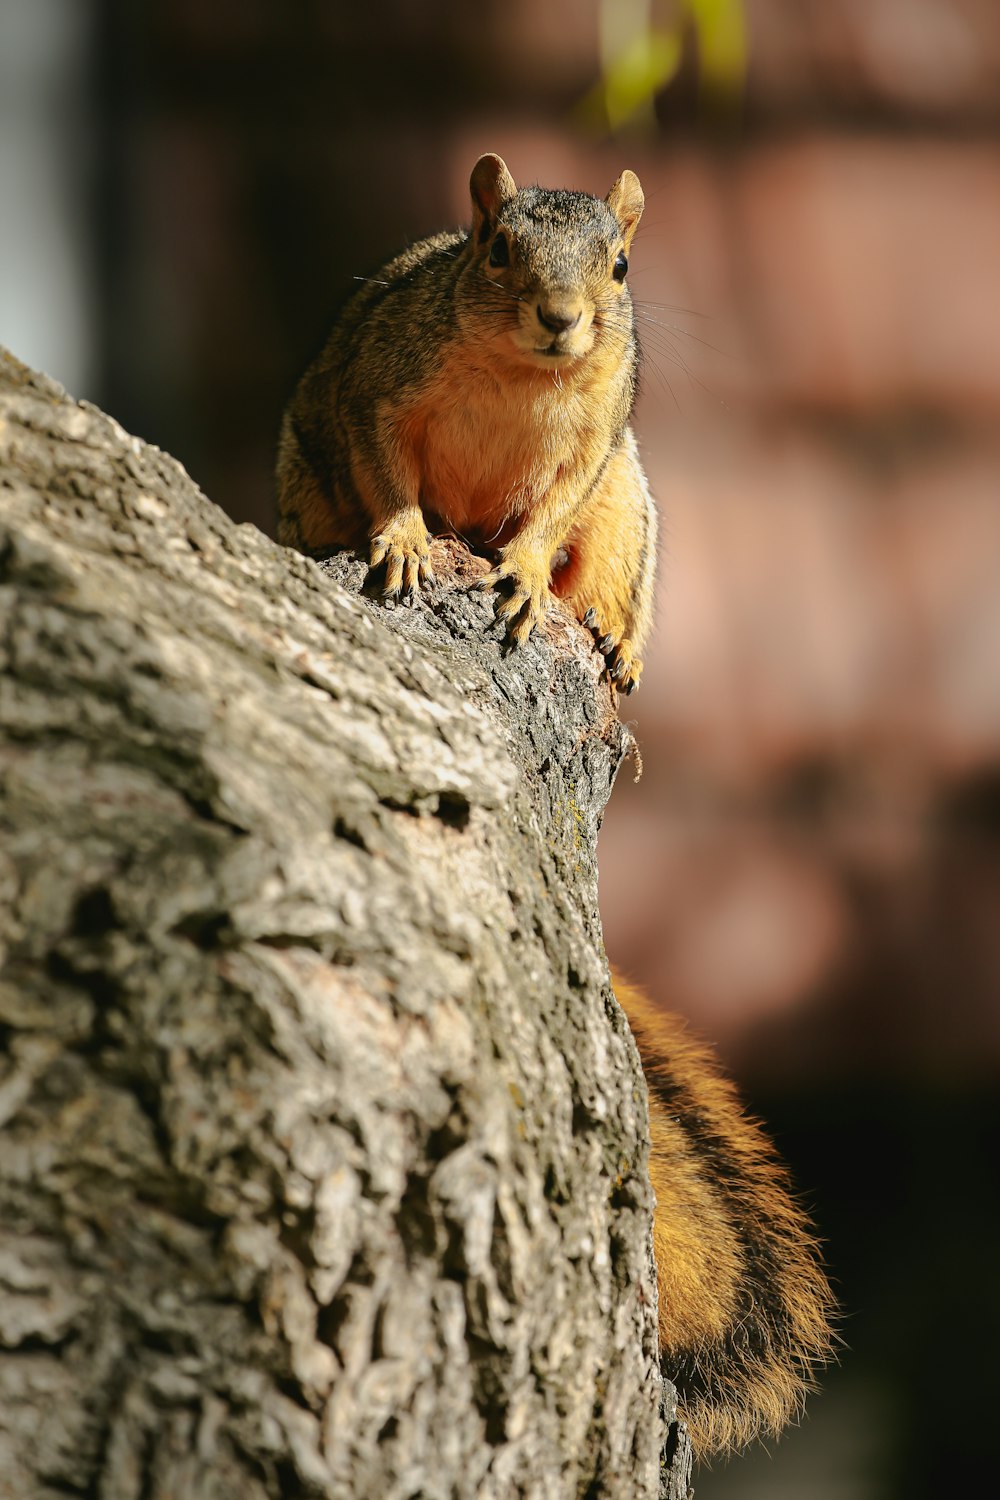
{"x":499,"y":253}
{"x":621,"y":266}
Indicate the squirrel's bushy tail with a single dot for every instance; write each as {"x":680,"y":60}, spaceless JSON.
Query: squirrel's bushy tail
{"x":744,"y":1305}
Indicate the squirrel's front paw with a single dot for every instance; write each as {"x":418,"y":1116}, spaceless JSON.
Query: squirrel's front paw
{"x":622,"y":667}
{"x":526,"y":586}
{"x":403,"y":549}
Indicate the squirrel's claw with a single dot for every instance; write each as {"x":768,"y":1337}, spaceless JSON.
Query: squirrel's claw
{"x":622,"y":668}
{"x":524,"y":605}
{"x":520,"y":627}
{"x":406,"y":560}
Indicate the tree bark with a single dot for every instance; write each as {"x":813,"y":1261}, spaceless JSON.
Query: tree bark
{"x":323,"y":1168}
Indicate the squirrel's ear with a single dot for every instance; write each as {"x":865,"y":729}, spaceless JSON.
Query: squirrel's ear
{"x":626,"y":202}
{"x":491,"y":184}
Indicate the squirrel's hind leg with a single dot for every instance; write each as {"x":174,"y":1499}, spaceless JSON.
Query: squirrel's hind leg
{"x":309,"y":518}
{"x":609,"y":580}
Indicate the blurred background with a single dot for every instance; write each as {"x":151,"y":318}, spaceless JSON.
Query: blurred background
{"x":810,"y":866}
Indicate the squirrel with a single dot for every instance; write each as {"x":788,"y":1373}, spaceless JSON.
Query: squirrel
{"x":482,"y":384}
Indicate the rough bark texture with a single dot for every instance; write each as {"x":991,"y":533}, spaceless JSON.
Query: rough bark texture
{"x":323,"y":1165}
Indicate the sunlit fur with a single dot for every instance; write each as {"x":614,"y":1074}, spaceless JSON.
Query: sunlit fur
{"x":743,"y":1301}
{"x":451,"y":396}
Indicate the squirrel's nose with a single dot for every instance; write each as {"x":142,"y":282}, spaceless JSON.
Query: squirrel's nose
{"x":558,"y":319}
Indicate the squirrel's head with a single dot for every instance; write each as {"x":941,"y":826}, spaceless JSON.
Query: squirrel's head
{"x":548,"y":267}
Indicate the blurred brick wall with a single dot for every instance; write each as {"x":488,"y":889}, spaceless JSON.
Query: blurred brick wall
{"x":821,"y":716}
{"x":809,"y":866}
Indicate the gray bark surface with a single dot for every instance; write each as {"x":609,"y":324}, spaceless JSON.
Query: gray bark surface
{"x":323,"y":1162}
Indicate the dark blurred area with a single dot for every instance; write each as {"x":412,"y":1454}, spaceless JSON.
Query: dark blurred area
{"x":810,"y":865}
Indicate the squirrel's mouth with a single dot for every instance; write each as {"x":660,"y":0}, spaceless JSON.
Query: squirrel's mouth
{"x":562,"y":349}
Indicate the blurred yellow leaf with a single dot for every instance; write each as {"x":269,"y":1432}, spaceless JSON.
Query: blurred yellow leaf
{"x":639,"y":73}
{"x":640,"y":64}
{"x":720,"y":27}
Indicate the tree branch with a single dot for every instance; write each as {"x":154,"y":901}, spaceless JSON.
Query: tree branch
{"x":324,"y":1163}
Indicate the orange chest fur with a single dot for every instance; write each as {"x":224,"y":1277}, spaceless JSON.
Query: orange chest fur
{"x":484,"y":451}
